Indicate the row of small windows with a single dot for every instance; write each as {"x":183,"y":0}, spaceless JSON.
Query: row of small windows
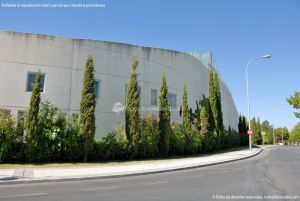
{"x":171,"y":97}
{"x":31,"y":78}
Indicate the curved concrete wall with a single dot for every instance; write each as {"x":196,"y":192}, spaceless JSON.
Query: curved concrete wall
{"x":63,"y":60}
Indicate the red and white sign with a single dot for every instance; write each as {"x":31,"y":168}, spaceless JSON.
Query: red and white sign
{"x":249,"y":132}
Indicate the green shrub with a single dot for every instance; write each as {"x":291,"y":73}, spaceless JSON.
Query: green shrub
{"x":192,"y":141}
{"x":176,"y":140}
{"x":72,"y":141}
{"x":114,"y":146}
{"x":232,"y":140}
{"x":47,"y":144}
{"x":149,"y":137}
{"x":111,"y":148}
{"x":6,"y":134}
{"x":208,"y":143}
{"x":58,"y":136}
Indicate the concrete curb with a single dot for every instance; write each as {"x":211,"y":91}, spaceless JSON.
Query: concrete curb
{"x":44,"y":180}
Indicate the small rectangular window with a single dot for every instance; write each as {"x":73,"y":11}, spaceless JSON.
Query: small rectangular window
{"x":153,"y":97}
{"x":97,"y":88}
{"x":31,"y":79}
{"x":172,"y":100}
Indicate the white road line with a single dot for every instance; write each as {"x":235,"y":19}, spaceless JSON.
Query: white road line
{"x":25,"y":195}
{"x":158,"y":182}
{"x":99,"y":189}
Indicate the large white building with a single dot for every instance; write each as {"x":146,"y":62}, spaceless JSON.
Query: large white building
{"x":62,"y":61}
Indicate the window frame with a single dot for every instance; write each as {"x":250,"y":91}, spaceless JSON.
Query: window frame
{"x":169,"y":99}
{"x":99,"y":85}
{"x":34,"y":72}
{"x":152,"y":90}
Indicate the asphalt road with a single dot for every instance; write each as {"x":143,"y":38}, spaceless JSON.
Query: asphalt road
{"x":275,"y":172}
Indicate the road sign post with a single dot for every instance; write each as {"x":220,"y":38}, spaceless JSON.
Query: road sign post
{"x":250,"y":132}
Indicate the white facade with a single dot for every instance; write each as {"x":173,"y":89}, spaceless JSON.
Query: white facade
{"x":62,"y":60}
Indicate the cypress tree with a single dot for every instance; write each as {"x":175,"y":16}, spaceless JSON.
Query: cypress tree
{"x":186,"y":119}
{"x":207,"y":125}
{"x":244,"y":124}
{"x":205,"y":103}
{"x":259,"y":136}
{"x":240,"y":125}
{"x":132,"y":106}
{"x":254,"y":128}
{"x":212,"y":95}
{"x":31,"y":121}
{"x":243,"y":131}
{"x":219,"y":117}
{"x":204,"y":125}
{"x":186,"y":122}
{"x":164,"y":118}
{"x":87,"y":108}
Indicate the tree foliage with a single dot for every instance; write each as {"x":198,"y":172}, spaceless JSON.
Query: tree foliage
{"x":149,"y":137}
{"x":164,"y":118}
{"x":32,"y":120}
{"x":281,"y":133}
{"x":294,"y":101}
{"x":204,"y":125}
{"x":6,"y":134}
{"x":207,"y":125}
{"x":186,"y":115}
{"x":190,"y":132}
{"x":219,"y":114}
{"x":268,"y":131}
{"x":215,"y":101}
{"x":295,"y":133}
{"x":243,"y":127}
{"x":212,"y":96}
{"x":87,"y":107}
{"x":132,"y":106}
{"x":205,"y":103}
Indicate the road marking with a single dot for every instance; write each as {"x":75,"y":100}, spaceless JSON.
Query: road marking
{"x":25,"y":195}
{"x":158,"y":182}
{"x":99,"y":189}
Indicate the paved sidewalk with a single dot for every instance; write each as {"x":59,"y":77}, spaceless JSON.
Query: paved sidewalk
{"x":13,"y":176}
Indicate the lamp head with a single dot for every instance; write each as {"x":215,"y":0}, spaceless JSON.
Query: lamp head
{"x":267,"y":56}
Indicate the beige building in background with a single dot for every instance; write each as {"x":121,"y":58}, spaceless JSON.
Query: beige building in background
{"x":62,"y":61}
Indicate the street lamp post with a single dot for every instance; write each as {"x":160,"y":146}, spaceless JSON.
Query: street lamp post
{"x":268,"y":56}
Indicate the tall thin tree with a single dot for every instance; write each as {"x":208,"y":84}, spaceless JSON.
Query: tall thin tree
{"x":205,"y":103}
{"x":31,"y":121}
{"x":164,"y":118}
{"x":219,"y":117}
{"x":212,"y":95}
{"x":186,"y":120}
{"x":87,"y":108}
{"x":132,"y":106}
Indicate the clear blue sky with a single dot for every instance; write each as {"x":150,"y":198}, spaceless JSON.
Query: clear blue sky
{"x":234,"y":30}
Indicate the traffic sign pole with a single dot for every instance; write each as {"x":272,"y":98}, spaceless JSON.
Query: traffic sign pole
{"x":250,"y":132}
